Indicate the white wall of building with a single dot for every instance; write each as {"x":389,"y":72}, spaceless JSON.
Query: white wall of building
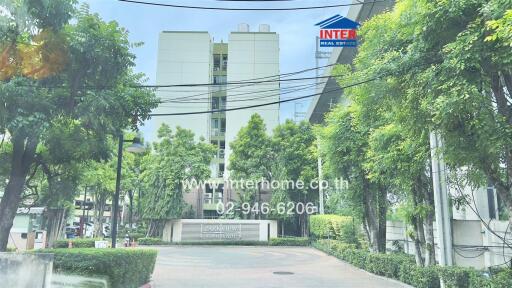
{"x":184,"y":58}
{"x":475,"y":243}
{"x":252,"y":55}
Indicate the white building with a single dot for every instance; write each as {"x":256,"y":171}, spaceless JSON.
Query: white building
{"x":193,"y":58}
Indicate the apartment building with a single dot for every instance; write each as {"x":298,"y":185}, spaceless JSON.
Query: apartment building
{"x":193,"y":57}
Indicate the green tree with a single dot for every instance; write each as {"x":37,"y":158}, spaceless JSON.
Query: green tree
{"x":176,"y":158}
{"x":453,"y":62}
{"x":93,"y":92}
{"x":345,"y":150}
{"x":295,"y":162}
{"x":251,"y":158}
{"x":440,"y":66}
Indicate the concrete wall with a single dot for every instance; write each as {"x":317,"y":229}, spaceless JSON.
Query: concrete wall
{"x":474,"y":243}
{"x":197,"y":230}
{"x":184,"y":58}
{"x":252,"y":55}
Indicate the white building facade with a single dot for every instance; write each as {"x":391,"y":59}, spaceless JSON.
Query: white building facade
{"x":192,"y":57}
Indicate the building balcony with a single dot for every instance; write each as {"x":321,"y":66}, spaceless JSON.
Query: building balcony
{"x":218,"y":133}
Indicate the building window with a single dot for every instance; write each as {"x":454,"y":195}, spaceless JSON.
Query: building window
{"x":216,"y":62}
{"x":224,"y":62}
{"x":220,"y":79}
{"x":215,"y":123}
{"x":223,"y":125}
{"x":215,"y":103}
{"x":221,"y":170}
{"x":223,"y":102}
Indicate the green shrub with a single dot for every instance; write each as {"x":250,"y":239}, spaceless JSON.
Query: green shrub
{"x":151,"y":241}
{"x":227,"y":243}
{"x":403,"y":267}
{"x":289,"y":241}
{"x":502,"y":279}
{"x":334,"y":227}
{"x":136,"y":236}
{"x":122,"y":267}
{"x":455,"y":277}
{"x":387,"y":265}
{"x":397,"y":266}
{"x":419,"y":277}
{"x":77,"y":243}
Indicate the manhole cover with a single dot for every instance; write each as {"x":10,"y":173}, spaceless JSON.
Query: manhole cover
{"x":283,"y":273}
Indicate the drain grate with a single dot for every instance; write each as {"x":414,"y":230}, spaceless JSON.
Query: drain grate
{"x":283,"y":273}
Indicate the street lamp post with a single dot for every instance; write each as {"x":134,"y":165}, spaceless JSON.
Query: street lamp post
{"x":136,"y":147}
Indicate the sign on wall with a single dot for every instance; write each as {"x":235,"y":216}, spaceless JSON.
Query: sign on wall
{"x":220,"y":231}
{"x":338,"y":31}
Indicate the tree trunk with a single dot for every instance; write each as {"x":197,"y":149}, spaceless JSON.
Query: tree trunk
{"x":371,"y":220}
{"x":430,"y":253}
{"x":155,"y":228}
{"x":99,"y":208}
{"x":382,"y":209}
{"x":22,"y":158}
{"x":55,"y":224}
{"x":418,"y":253}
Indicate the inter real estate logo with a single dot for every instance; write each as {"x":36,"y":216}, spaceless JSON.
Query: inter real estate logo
{"x":338,"y":31}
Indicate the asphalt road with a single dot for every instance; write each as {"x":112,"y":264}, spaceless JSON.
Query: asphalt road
{"x":254,"y":267}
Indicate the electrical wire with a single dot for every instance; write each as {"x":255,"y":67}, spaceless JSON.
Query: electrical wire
{"x":231,"y":83}
{"x":272,"y":76}
{"x":247,"y":9}
{"x":190,"y":97}
{"x":235,"y":99}
{"x":243,"y":93}
{"x":259,"y":105}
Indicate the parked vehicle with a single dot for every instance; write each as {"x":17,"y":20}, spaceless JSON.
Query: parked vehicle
{"x":71,"y":231}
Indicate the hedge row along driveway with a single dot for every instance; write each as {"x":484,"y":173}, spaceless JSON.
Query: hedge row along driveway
{"x":123,"y":268}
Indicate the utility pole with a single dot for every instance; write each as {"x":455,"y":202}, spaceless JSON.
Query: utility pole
{"x":443,"y":217}
{"x":320,"y":178}
{"x":84,"y":226}
{"x":115,"y":201}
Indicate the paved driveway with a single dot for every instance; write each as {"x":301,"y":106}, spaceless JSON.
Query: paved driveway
{"x":251,"y":267}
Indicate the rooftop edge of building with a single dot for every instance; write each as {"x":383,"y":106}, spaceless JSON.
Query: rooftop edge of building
{"x":168,"y":31}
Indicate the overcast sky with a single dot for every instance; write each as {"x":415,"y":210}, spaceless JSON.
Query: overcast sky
{"x":295,"y":28}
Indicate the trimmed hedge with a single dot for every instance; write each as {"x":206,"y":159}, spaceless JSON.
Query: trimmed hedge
{"x":77,"y":242}
{"x":152,"y":241}
{"x":285,"y":241}
{"x":289,"y":241}
{"x":334,"y":227}
{"x":121,"y":267}
{"x":396,"y":266}
{"x":136,"y":236}
{"x":227,"y":243}
{"x":402,"y":267}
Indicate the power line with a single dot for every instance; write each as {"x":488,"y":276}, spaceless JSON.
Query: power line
{"x":247,"y":9}
{"x":249,"y":82}
{"x":255,"y":0}
{"x":260,"y":105}
{"x":272,"y":76}
{"x":237,"y":100}
{"x":230,"y":83}
{"x":229,"y":98}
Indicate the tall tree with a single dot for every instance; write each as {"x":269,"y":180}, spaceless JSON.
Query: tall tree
{"x":94,"y":91}
{"x":251,"y":158}
{"x":293,"y":147}
{"x":176,"y":158}
{"x":345,"y":149}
